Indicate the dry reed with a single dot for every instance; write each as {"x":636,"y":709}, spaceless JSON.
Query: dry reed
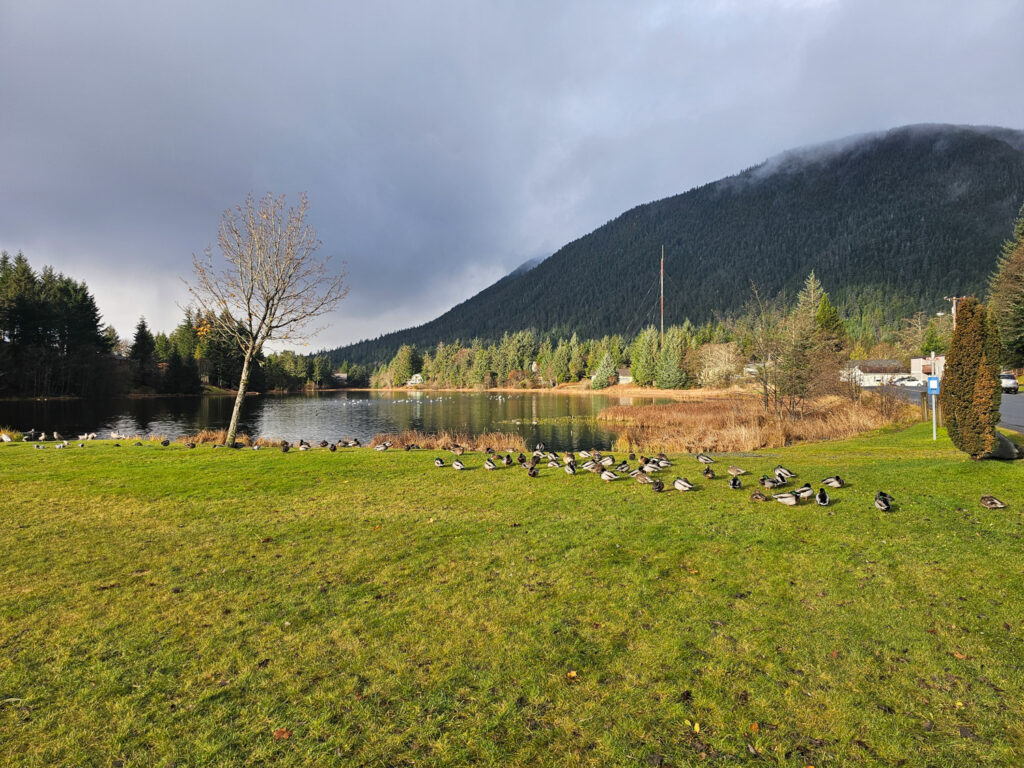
{"x":444,"y":441}
{"x":739,"y":424}
{"x":217,"y":436}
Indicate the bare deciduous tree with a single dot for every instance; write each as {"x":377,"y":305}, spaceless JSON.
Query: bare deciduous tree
{"x":268,"y":283}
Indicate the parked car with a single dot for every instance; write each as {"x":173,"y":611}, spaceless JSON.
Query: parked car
{"x":1009,"y":383}
{"x":906,"y":381}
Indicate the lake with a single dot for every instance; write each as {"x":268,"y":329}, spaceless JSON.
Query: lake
{"x":564,"y":422}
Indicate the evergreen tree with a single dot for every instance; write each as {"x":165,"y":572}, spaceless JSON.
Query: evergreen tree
{"x":605,"y":371}
{"x":142,"y":354}
{"x":643,"y":355}
{"x":671,"y":373}
{"x":970,"y":381}
{"x":1006,"y":297}
{"x":403,"y":365}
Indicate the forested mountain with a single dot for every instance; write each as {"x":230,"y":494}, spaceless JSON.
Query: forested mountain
{"x":891,"y":223}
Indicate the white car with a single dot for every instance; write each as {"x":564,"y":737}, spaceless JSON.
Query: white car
{"x":906,"y":381}
{"x":1008,"y":382}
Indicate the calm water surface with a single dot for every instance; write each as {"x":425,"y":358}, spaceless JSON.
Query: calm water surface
{"x":564,"y":422}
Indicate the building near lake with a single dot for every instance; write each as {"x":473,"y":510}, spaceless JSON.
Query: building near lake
{"x":625,"y":376}
{"x":873,"y":373}
{"x":921,"y":367}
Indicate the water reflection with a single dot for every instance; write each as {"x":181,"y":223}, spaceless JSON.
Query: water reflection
{"x":564,"y":422}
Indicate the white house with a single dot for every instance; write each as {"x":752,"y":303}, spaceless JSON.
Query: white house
{"x":417,"y":378}
{"x":873,"y":373}
{"x":921,"y":367}
{"x":625,"y":376}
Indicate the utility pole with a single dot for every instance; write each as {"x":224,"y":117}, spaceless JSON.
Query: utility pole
{"x":663,"y":296}
{"x":955,"y":300}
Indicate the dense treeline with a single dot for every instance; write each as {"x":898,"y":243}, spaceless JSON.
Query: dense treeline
{"x":896,"y":222}
{"x":794,"y":350}
{"x":53,"y":343}
{"x":51,"y":339}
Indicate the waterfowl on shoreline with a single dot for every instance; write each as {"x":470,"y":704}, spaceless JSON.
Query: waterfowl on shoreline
{"x":703,"y":458}
{"x":734,"y":483}
{"x":438,"y":462}
{"x":570,"y":468}
{"x":644,"y":479}
{"x":735,"y":471}
{"x":883,"y":501}
{"x":285,"y":447}
{"x":833,"y":482}
{"x":608,"y":476}
{"x":553,"y":464}
{"x":822,"y":498}
{"x":332,"y":447}
{"x":165,"y":442}
{"x":781,"y":470}
{"x":506,"y":460}
{"x":489,"y":464}
{"x":789,"y":499}
{"x":607,"y":461}
{"x":758,"y":496}
{"x":457,"y":464}
{"x":539,"y":447}
{"x":521,"y":459}
{"x":458,"y":450}
{"x":324,"y":444}
{"x":682,"y":484}
{"x":771,"y":483}
{"x":622,"y":466}
{"x":991,"y":502}
{"x":532,"y":472}
{"x":584,"y":454}
{"x":657,"y":486}
{"x":708,"y":472}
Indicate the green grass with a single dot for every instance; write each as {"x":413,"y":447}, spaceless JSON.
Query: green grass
{"x":171,"y":607}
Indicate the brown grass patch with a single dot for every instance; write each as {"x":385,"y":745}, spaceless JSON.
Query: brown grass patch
{"x":217,"y":436}
{"x":443,"y":441}
{"x":741,"y":424}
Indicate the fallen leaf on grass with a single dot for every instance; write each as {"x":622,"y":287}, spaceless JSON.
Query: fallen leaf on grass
{"x":966,"y":732}
{"x":754,"y":727}
{"x":571,"y":675}
{"x":282,"y":733}
{"x":959,"y":655}
{"x":834,"y":654}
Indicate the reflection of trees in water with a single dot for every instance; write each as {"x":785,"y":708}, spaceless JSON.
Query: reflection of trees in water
{"x":563,"y":421}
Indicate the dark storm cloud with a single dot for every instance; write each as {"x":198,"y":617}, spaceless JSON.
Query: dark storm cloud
{"x":441,"y":144}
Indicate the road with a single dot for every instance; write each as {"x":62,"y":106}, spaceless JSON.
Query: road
{"x":1011,"y":409}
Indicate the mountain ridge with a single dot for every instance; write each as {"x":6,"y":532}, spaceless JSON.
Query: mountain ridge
{"x":892,"y":219}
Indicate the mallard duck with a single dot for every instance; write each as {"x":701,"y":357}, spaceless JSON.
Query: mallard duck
{"x":651,"y":467}
{"x":703,"y":458}
{"x":540,"y":447}
{"x":489,"y":464}
{"x":735,"y":484}
{"x":735,"y":471}
{"x":833,"y":482}
{"x":458,"y":450}
{"x":664,"y":463}
{"x":632,"y":456}
{"x":781,"y":478}
{"x":991,"y":502}
{"x":644,"y":479}
{"x":306,"y":448}
{"x":758,"y":496}
{"x":165,"y":442}
{"x":439,"y":462}
{"x":781,"y":470}
{"x":381,"y":447}
{"x":324,"y":444}
{"x":585,"y":454}
{"x":771,"y":483}
{"x":636,"y":472}
{"x":457,"y":464}
{"x":255,"y":447}
{"x":521,"y":459}
{"x":591,"y":466}
{"x":606,"y":461}
{"x":608,"y":476}
{"x":804,"y":491}
{"x":822,"y":498}
{"x":789,"y":499}
{"x":657,"y":486}
{"x":190,"y":446}
{"x":570,"y":456}
{"x":553,"y":464}
{"x":883,"y":501}
{"x":332,"y":448}
{"x":285,"y":447}
{"x":622,"y":466}
{"x":682,"y":484}
{"x":506,"y":460}
{"x":709,"y":473}
{"x":570,"y":468}
{"x":532,"y":472}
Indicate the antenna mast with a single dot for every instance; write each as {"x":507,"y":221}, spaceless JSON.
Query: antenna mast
{"x":663,"y":295}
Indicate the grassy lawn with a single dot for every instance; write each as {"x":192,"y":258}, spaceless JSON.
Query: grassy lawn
{"x":161,"y":606}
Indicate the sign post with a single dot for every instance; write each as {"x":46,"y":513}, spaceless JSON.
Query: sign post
{"x":933,"y":390}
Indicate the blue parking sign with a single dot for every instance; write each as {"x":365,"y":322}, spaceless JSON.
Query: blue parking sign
{"x":933,"y":385}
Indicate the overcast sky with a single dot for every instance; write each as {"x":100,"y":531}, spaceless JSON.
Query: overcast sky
{"x":441,"y":143}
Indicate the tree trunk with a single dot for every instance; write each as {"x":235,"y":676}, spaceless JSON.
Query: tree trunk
{"x":229,"y":440}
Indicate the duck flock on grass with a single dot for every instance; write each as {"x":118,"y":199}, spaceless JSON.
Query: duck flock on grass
{"x":775,"y":485}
